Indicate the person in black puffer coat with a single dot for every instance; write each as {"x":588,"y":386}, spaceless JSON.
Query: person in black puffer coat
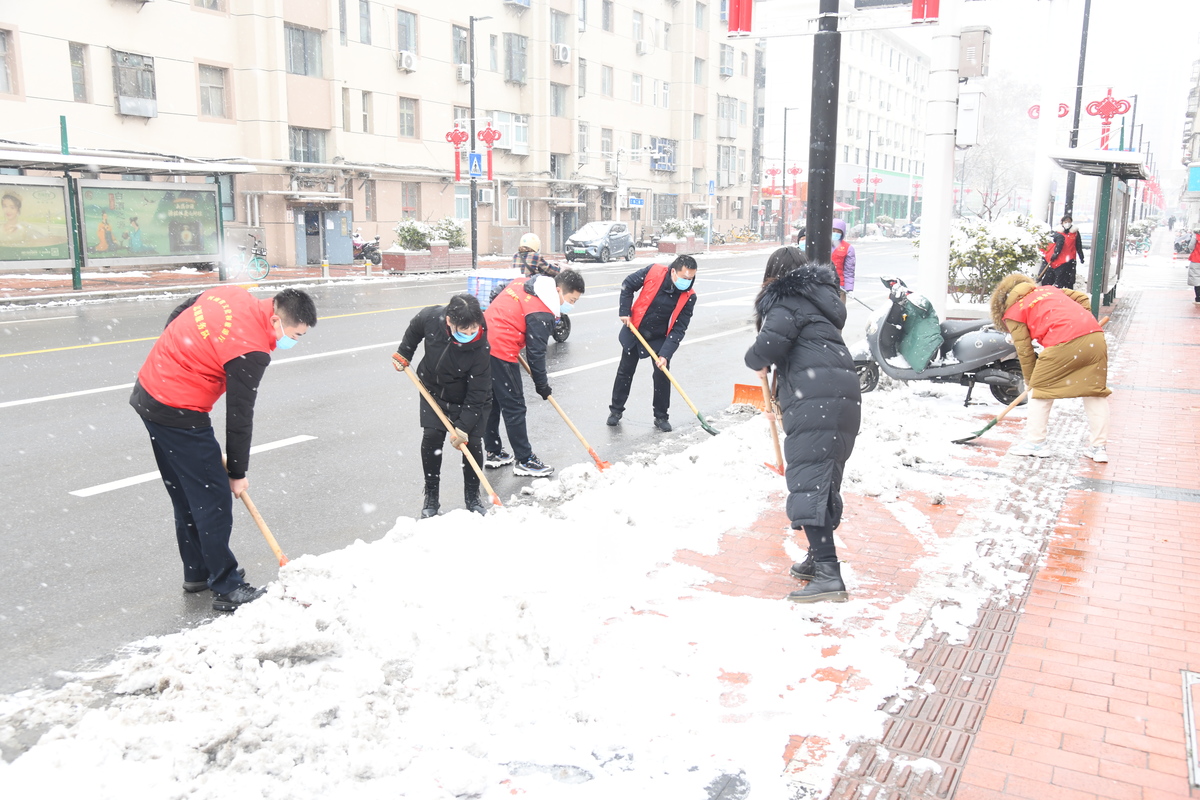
{"x":457,"y":371}
{"x":800,"y":318}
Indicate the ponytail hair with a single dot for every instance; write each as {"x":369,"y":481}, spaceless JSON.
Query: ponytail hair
{"x":463,"y":311}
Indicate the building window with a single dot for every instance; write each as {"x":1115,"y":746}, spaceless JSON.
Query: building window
{"x":701,"y":12}
{"x":462,"y":115}
{"x":727,"y":109}
{"x":635,"y":89}
{"x":513,"y":196}
{"x":460,"y":44}
{"x":364,"y":22}
{"x":346,"y":110}
{"x":727,"y":54}
{"x":637,"y":26}
{"x":582,"y":77}
{"x":410,"y":201}
{"x":408,"y":118}
{"x":462,"y":202}
{"x":79,"y":83}
{"x":558,"y":100}
{"x":583,"y":142}
{"x":369,"y":201}
{"x":698,"y":182}
{"x":368,"y":116}
{"x":606,"y":81}
{"x":662,"y":154}
{"x":558,"y":27}
{"x":742,"y":109}
{"x":406,"y":31}
{"x":514,"y":57}
{"x":635,"y":147}
{"x":697,"y":126}
{"x":342,"y":25}
{"x":582,"y":15}
{"x":666,"y":94}
{"x":135,"y":90}
{"x":558,"y":166}
{"x":606,"y":15}
{"x":666,"y":206}
{"x":211,"y":5}
{"x":493,"y":53}
{"x":303,"y":51}
{"x":745,"y":73}
{"x":228,"y":202}
{"x":698,"y":72}
{"x":606,"y":143}
{"x":726,"y":165}
{"x":308,"y":145}
{"x":212,"y":92}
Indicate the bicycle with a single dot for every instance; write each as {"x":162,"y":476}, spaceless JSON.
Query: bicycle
{"x":256,"y":267}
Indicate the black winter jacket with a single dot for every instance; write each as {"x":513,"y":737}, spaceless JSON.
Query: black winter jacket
{"x":658,"y":316}
{"x":801,"y":318}
{"x":458,"y":376}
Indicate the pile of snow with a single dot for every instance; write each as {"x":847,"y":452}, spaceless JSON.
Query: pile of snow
{"x":552,"y":649}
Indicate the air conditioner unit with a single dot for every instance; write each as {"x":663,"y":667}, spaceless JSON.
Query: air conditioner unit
{"x":487,"y":196}
{"x":851,"y":97}
{"x":517,"y":3}
{"x":726,"y":72}
{"x":850,"y":132}
{"x":643,"y":47}
{"x":562,"y":53}
{"x":463,"y":72}
{"x":741,"y":179}
{"x":406,"y":61}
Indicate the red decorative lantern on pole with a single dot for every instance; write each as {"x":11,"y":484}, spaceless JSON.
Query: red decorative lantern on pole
{"x":489,"y":136}
{"x":457,"y":137}
{"x":1106,"y":108}
{"x":773,"y":171}
{"x":875,"y":181}
{"x":858,"y":182}
{"x":795,"y":171}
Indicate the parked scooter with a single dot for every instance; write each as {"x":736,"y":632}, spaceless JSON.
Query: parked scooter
{"x":970,"y":351}
{"x":368,"y":251}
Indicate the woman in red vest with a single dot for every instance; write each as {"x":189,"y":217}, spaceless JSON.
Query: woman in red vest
{"x":1194,"y":265}
{"x":843,"y":257}
{"x":666,"y":297}
{"x":1073,"y":361}
{"x":1066,"y":248}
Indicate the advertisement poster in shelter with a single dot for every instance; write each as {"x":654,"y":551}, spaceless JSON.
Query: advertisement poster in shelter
{"x":33,"y":223}
{"x":125,"y":222}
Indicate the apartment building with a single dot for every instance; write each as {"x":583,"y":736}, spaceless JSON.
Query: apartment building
{"x":343,"y":108}
{"x":883,"y":82}
{"x":1190,"y":151}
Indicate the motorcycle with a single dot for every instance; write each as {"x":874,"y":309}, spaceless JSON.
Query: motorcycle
{"x":964,"y":352}
{"x":1185,"y":242}
{"x":368,"y":251}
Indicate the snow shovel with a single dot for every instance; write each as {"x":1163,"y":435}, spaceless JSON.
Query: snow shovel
{"x":777,"y":467}
{"x":262,"y":524}
{"x":1004,"y":413}
{"x":750,"y":395}
{"x":450,"y":427}
{"x":654,"y":357}
{"x":600,"y":464}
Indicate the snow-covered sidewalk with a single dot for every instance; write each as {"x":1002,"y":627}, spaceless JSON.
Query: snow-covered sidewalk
{"x":616,"y":634}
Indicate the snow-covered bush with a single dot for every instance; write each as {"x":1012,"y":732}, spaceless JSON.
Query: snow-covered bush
{"x":413,"y":234}
{"x":450,"y":230}
{"x":884,"y":219}
{"x":1141,"y":229}
{"x":982,"y":252}
{"x":681,"y":228}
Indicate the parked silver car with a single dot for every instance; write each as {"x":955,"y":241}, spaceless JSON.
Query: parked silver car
{"x":602,"y":241}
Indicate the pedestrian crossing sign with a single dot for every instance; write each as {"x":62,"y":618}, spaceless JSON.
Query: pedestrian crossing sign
{"x":475,"y":164}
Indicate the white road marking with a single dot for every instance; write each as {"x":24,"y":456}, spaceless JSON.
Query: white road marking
{"x":685,"y":342}
{"x":64,"y":395}
{"x":149,"y":476}
{"x":38,"y":319}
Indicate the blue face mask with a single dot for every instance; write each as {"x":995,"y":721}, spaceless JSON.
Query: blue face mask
{"x":565,"y":308}
{"x":682,"y":284}
{"x":837,"y":236}
{"x":285,"y":343}
{"x":463,"y":338}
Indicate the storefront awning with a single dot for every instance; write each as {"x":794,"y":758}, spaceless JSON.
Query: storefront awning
{"x":1097,"y":163}
{"x":115,"y":165}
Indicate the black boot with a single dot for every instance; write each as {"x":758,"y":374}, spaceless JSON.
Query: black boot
{"x":804,"y":570}
{"x":473,"y":501}
{"x":826,"y":584}
{"x":432,"y":505}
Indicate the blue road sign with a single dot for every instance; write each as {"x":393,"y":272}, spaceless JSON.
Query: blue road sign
{"x":636,"y":202}
{"x":475,"y":164}
{"x":712,"y":188}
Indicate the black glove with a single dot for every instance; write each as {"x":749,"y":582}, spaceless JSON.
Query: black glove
{"x":543,"y":391}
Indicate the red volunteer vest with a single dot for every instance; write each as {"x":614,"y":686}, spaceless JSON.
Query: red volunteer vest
{"x":654,"y":278}
{"x":1052,"y":317}
{"x":186,"y":366}
{"x":1195,"y":256}
{"x":1068,"y":251}
{"x":506,"y":319}
{"x":838,"y":257}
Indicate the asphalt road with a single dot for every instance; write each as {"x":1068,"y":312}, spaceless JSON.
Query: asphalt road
{"x":89,"y":561}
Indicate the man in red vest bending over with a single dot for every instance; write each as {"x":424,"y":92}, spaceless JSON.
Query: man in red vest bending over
{"x":216,"y":343}
{"x":523,"y":315}
{"x":661,"y":315}
{"x":1068,"y":247}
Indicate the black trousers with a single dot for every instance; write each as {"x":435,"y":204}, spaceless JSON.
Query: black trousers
{"x":1063,"y":277}
{"x":189,"y":461}
{"x":624,"y":381}
{"x":820,"y":542}
{"x":508,"y":400}
{"x":432,"y":445}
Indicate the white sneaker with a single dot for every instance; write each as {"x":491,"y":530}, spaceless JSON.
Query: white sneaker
{"x":1099,"y":455}
{"x":1037,"y":449}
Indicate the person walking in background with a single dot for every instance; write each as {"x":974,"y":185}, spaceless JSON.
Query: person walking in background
{"x":457,"y":372}
{"x":1073,"y":361}
{"x":661,"y":313}
{"x":1194,"y":264}
{"x":1060,"y":263}
{"x":529,"y":259}
{"x":523,"y":316}
{"x":843,"y":257}
{"x":218,"y":342}
{"x":800,"y":317}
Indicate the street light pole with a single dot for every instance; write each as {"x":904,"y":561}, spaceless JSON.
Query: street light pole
{"x":1069,"y":199}
{"x":474,"y":186}
{"x":783,"y":193}
{"x":822,"y":148}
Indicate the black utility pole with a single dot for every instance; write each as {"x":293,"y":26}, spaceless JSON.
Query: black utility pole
{"x":474,"y":187}
{"x":1069,"y":199}
{"x":822,"y":148}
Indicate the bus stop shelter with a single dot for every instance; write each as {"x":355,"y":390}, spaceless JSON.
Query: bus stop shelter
{"x":1114,"y":168}
{"x":59,"y":217}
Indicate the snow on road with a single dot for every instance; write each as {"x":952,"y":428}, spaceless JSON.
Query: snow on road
{"x":554,"y":649}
